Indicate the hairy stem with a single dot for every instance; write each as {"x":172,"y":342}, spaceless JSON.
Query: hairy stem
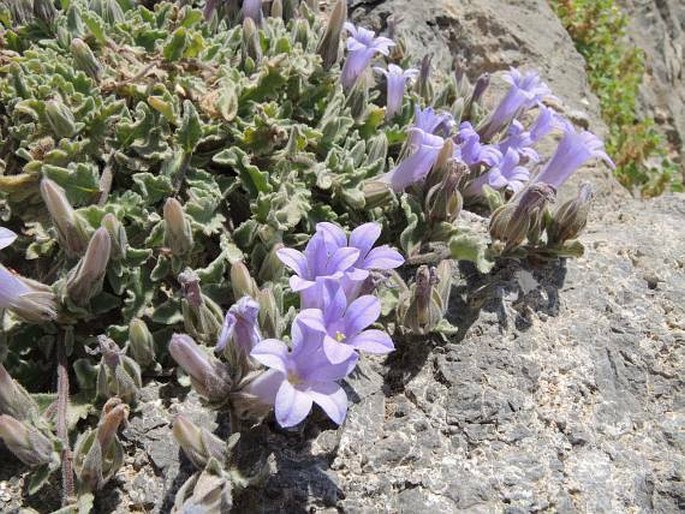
{"x":62,"y":433}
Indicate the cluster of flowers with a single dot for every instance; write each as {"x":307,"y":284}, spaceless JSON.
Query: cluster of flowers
{"x":335,"y":278}
{"x":331,"y":277}
{"x":504,"y":164}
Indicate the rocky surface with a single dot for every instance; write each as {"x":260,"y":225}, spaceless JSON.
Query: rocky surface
{"x":560,"y":390}
{"x":658,"y":27}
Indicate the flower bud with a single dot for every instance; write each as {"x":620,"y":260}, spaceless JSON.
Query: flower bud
{"x":329,"y":45}
{"x":199,"y":444}
{"x":571,"y":217}
{"x":425,"y":309}
{"x":85,"y":279}
{"x":277,"y":9}
{"x":85,"y":59}
{"x":178,"y":233}
{"x":272,"y":268}
{"x":118,"y":374}
{"x":14,"y":399}
{"x":239,"y":334}
{"x":141,"y":343}
{"x":72,"y":231}
{"x":424,"y":87}
{"x":377,"y":148}
{"x":513,"y":221}
{"x":479,"y":88}
{"x":443,"y":201}
{"x":301,"y":32}
{"x":242,"y":282}
{"x":207,"y":491}
{"x":98,"y":454}
{"x":25,"y":442}
{"x":358,"y":100}
{"x":377,"y":194}
{"x":117,"y":234}
{"x":60,"y":118}
{"x":201,"y":315}
{"x":252,"y":47}
{"x":269,"y":313}
{"x":208,"y":376}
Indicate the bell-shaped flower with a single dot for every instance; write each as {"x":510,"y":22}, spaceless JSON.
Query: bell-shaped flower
{"x":424,"y":149}
{"x":362,"y":46}
{"x":319,"y":261}
{"x":506,"y":174}
{"x":526,"y":91}
{"x":239,"y":334}
{"x":471,"y":151}
{"x":396,"y":79}
{"x":432,"y":122}
{"x":520,"y":141}
{"x":362,"y":239}
{"x":574,"y":150}
{"x":32,"y":301}
{"x":344,"y":326}
{"x":300,"y":377}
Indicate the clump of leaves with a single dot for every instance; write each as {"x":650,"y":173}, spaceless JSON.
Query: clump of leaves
{"x":615,"y":69}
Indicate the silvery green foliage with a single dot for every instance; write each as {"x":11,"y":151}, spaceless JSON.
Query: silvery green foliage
{"x":154,"y":161}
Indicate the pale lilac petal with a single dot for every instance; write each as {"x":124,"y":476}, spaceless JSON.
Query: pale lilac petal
{"x":320,"y":370}
{"x":313,"y":318}
{"x":372,"y":341}
{"x":227,"y":330}
{"x":364,"y":237}
{"x":294,"y":260}
{"x":331,"y":398}
{"x":298,"y":284}
{"x":383,"y":258}
{"x":11,"y":287}
{"x":7,"y":237}
{"x":333,"y":235}
{"x":272,"y":353}
{"x":266,"y":385}
{"x":291,"y":405}
{"x":361,"y":313}
{"x":342,"y":259}
{"x":334,"y":301}
{"x":337,"y":352}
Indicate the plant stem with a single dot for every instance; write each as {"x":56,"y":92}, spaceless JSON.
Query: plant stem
{"x":62,"y":432}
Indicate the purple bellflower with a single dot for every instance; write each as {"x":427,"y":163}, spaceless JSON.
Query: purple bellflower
{"x":506,"y":174}
{"x":520,"y":141}
{"x":471,"y":151}
{"x":361,"y":239}
{"x":526,"y":91}
{"x":396,"y":79}
{"x":300,"y":377}
{"x":574,"y":150}
{"x":241,"y":326}
{"x":362,"y":46}
{"x":319,"y":261}
{"x":424,"y":149}
{"x":437,"y":123}
{"x":344,"y":325}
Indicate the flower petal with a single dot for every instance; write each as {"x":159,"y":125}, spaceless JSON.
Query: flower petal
{"x":361,"y":313}
{"x":372,"y":341}
{"x":272,"y":353}
{"x":294,"y":260}
{"x":333,"y":235}
{"x":291,"y":405}
{"x":342,"y":259}
{"x":382,"y":258}
{"x":7,"y":237}
{"x":266,"y":386}
{"x":331,"y":398}
{"x":364,"y":237}
{"x":320,"y":369}
{"x":11,"y":287}
{"x":336,"y":352}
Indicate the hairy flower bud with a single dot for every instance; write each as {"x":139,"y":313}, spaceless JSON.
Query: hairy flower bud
{"x":60,"y":118}
{"x":45,"y":11}
{"x":208,"y":377}
{"x":443,"y":201}
{"x":178,"y":233}
{"x":329,"y":45}
{"x":25,"y":442}
{"x":141,"y":343}
{"x":272,"y":268}
{"x":109,"y":10}
{"x":424,"y":87}
{"x":252,"y":47}
{"x":86,"y":278}
{"x":571,"y":217}
{"x":201,"y":315}
{"x":512,"y":222}
{"x":242,"y":282}
{"x":377,"y":193}
{"x":98,"y":454}
{"x":14,"y":399}
{"x":118,"y":374}
{"x":199,"y":444}
{"x":425,"y":304}
{"x":72,"y":231}
{"x":117,"y":234}
{"x":269,"y":313}
{"x":85,"y":59}
{"x":479,"y":88}
{"x":276,"y":9}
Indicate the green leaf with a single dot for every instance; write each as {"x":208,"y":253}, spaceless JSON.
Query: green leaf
{"x":190,"y":131}
{"x":466,"y":247}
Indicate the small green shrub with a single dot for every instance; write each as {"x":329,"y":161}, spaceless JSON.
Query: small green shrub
{"x":615,"y":69}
